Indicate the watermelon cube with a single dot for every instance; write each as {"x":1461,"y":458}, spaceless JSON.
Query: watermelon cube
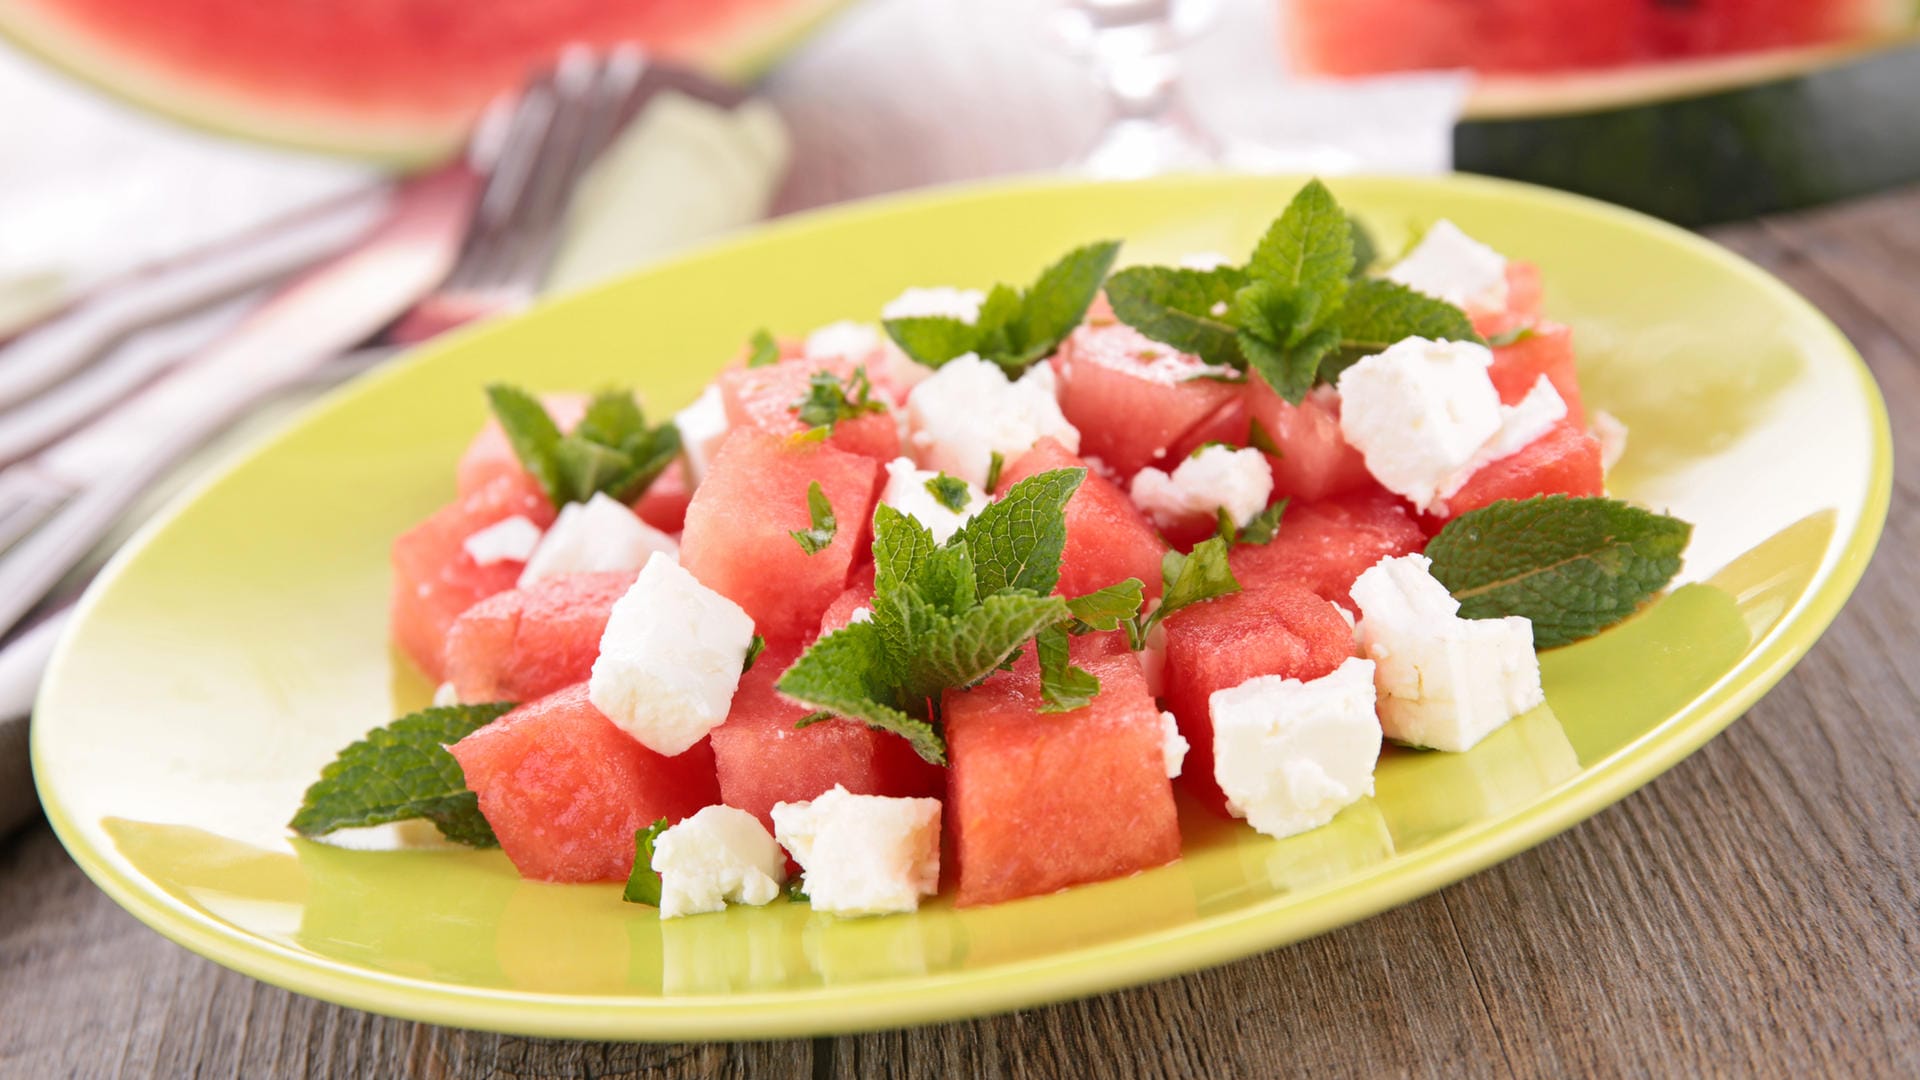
{"x":1108,"y":539}
{"x":1132,"y":398}
{"x":664,"y":504}
{"x":1269,"y":628}
{"x":565,"y":790}
{"x":490,"y":454}
{"x":1314,"y":460}
{"x":527,"y":643}
{"x":1323,"y":546}
{"x":763,"y":759}
{"x":768,"y":398}
{"x":1564,"y":461}
{"x":738,"y":538}
{"x":435,"y":580}
{"x":1546,"y":350}
{"x":858,"y":594}
{"x":1040,"y":801}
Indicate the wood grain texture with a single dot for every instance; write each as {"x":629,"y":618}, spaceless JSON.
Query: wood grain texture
{"x":1754,"y":911}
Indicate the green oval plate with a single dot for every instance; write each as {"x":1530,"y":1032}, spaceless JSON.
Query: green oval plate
{"x":229,"y":652}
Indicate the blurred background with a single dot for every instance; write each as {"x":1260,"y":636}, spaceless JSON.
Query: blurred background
{"x":211,"y":210}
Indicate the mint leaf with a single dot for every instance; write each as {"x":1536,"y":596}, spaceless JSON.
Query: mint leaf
{"x":817,"y":716}
{"x":400,"y":772}
{"x":995,"y":465}
{"x":1193,"y":578}
{"x":1260,"y":439}
{"x":814,"y":540}
{"x":1379,"y":314}
{"x":950,"y":492}
{"x":1063,"y":687}
{"x":1015,"y":327}
{"x":1017,"y":541}
{"x":829,"y":401}
{"x":797,"y":891}
{"x":1105,"y":609}
{"x":851,"y":673}
{"x":1308,"y":253}
{"x":1574,"y":566}
{"x":1281,"y":337}
{"x":1510,"y":337}
{"x":1263,"y":527}
{"x":900,"y":545}
{"x":530,"y":431}
{"x":643,"y":884}
{"x":1365,"y":251}
{"x":964,"y":649}
{"x":932,"y":339}
{"x":1190,"y":310}
{"x":764,"y":351}
{"x":612,"y":450}
{"x":754,"y":648}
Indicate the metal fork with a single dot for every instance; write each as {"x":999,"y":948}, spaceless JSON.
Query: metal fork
{"x":532,"y":149}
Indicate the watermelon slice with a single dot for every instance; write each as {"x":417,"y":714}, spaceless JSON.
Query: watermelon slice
{"x":1313,"y":459}
{"x":1132,"y":398}
{"x":565,"y":790}
{"x":664,"y":504}
{"x":1564,"y":461}
{"x":765,"y":398}
{"x":1108,"y":539}
{"x":1040,"y":801}
{"x":1547,"y":349}
{"x":527,"y":643}
{"x":859,"y":594}
{"x":1323,"y":546}
{"x":1269,"y":628}
{"x":738,"y":540}
{"x":435,"y":580}
{"x":399,"y":79}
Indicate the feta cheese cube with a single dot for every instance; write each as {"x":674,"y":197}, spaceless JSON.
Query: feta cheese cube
{"x":907,"y":492}
{"x":845,"y":340}
{"x":1613,"y":438}
{"x":1173,"y":745}
{"x":1520,"y":424}
{"x":508,"y":540}
{"x":1450,"y":265}
{"x":860,"y":614}
{"x":597,"y":536}
{"x":1419,"y":412}
{"x":702,"y":425}
{"x":1444,"y":682}
{"x":969,"y":410}
{"x":670,"y":658}
{"x":940,"y":301}
{"x":445,"y":694}
{"x":1216,"y":478}
{"x":863,"y":854}
{"x":718,"y":856}
{"x":1290,"y":754}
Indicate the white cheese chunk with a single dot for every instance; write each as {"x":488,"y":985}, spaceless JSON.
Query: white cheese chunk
{"x":863,"y":854}
{"x":508,"y":540}
{"x":969,"y":410}
{"x":860,"y":614}
{"x":1450,"y":265}
{"x":1613,"y":438}
{"x":1217,"y":478}
{"x":670,"y":658}
{"x":1173,"y":745}
{"x":1290,"y":754}
{"x":907,"y":492}
{"x":846,"y":340}
{"x":445,"y":694}
{"x":1444,"y":682}
{"x":718,"y":856}
{"x":1419,"y":412}
{"x":943,"y":301}
{"x":598,"y":536}
{"x":702,"y":425}
{"x":1520,"y":424}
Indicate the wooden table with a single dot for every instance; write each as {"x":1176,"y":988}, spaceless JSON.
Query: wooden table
{"x":1756,"y":910}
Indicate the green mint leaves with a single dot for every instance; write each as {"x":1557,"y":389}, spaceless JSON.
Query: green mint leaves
{"x":643,"y":885}
{"x":1200,"y":575}
{"x":1015,"y":327}
{"x":754,"y":648}
{"x":401,"y":772}
{"x":612,"y":450}
{"x":944,"y":616}
{"x":762,"y":350}
{"x":814,"y":540}
{"x":1574,"y":566}
{"x":1063,"y":687}
{"x":1261,"y":529}
{"x":995,"y":466}
{"x":829,"y":401}
{"x":1297,"y":313}
{"x":950,"y":492}
{"x":1511,"y":337}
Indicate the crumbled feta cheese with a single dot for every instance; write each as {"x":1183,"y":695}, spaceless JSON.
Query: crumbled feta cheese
{"x":860,"y":614}
{"x":445,"y":694}
{"x":1204,"y":260}
{"x":969,"y":410}
{"x":1419,"y":412}
{"x":846,"y":340}
{"x":508,"y":540}
{"x":1173,"y":745}
{"x":939,"y":301}
{"x":1444,"y":682}
{"x":907,"y":492}
{"x":670,"y":658}
{"x":597,"y":536}
{"x":702,"y":425}
{"x":718,"y":856}
{"x":1452,"y":266}
{"x":1613,"y":438}
{"x":1290,"y":754}
{"x":1043,"y":377}
{"x":1520,"y":424}
{"x":1218,"y":477}
{"x":863,"y":854}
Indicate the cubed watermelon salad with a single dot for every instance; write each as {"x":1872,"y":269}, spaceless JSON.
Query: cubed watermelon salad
{"x":967,"y":601}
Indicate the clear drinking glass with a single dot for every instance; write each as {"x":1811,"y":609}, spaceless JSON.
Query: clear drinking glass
{"x":1133,"y":47}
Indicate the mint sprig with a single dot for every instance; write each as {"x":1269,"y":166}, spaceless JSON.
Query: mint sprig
{"x":1015,"y":327}
{"x":762,"y":350}
{"x":1063,"y":686}
{"x":1260,"y":529}
{"x":643,"y":884}
{"x":824,"y":524}
{"x":401,"y":772}
{"x":611,"y":450}
{"x":996,"y":464}
{"x":754,"y":648}
{"x":950,"y":492}
{"x":828,"y":400}
{"x":1574,"y":566}
{"x":1379,"y":313}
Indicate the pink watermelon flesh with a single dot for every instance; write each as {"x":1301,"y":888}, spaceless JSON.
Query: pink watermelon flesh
{"x":763,"y":759}
{"x":1565,"y":461}
{"x":738,"y":538}
{"x":527,"y":643}
{"x":1546,"y":350}
{"x":1132,"y":398}
{"x":1314,"y":459}
{"x":1269,"y":628}
{"x":1323,"y":546}
{"x":1040,"y":801}
{"x":664,"y":504}
{"x":858,"y":594}
{"x":1108,"y":540}
{"x":767,"y":398}
{"x":565,"y":790}
{"x":435,"y":580}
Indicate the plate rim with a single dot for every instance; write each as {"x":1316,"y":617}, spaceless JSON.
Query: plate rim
{"x":1132,"y":961}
